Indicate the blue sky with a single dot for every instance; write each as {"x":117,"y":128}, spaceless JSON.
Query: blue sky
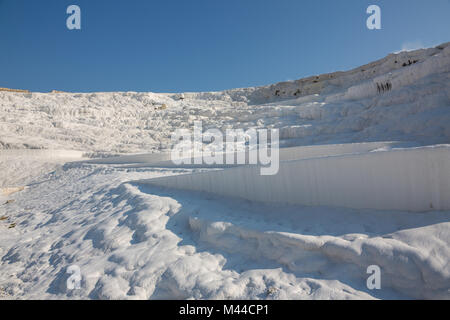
{"x":202,"y":45}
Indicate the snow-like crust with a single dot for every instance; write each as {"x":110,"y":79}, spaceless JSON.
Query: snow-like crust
{"x":133,"y":240}
{"x":345,"y":108}
{"x":416,"y":179}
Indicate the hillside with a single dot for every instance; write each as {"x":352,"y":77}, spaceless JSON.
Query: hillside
{"x":86,"y":182}
{"x":332,"y":108}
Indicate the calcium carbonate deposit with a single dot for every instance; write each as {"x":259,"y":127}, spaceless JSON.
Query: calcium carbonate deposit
{"x":87,"y":186}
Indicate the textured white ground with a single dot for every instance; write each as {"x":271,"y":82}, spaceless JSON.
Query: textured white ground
{"x":134,"y":241}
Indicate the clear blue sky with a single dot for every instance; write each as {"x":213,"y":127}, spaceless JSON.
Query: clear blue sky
{"x":202,"y":45}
